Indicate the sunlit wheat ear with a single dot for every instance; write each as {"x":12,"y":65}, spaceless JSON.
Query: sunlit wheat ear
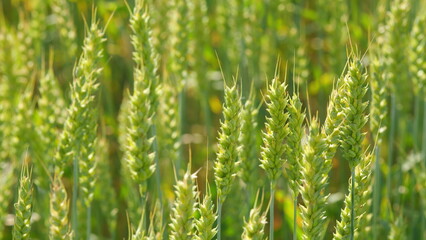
{"x":355,"y":83}
{"x":59,"y":225}
{"x":225,"y":167}
{"x":82,"y":116}
{"x":253,"y":228}
{"x":272,"y":159}
{"x":362,"y":201}
{"x":294,"y":142}
{"x":315,"y":169}
{"x":273,"y":149}
{"x":204,"y":225}
{"x":184,"y":207}
{"x":139,"y":153}
{"x":23,"y":207}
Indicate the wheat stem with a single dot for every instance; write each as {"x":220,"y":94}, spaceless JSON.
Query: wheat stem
{"x":376,"y":194}
{"x":271,"y":212}
{"x":88,"y":222}
{"x":391,"y":144}
{"x":219,"y":218}
{"x":353,"y":202}
{"x":295,"y":218}
{"x":424,"y":131}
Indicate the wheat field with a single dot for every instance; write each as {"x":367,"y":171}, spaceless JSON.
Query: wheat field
{"x":213,"y":119}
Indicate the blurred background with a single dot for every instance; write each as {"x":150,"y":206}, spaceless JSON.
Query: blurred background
{"x":310,"y":39}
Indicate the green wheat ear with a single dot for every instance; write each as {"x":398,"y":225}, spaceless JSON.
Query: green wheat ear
{"x":253,"y":228}
{"x":204,"y":225}
{"x":294,"y":142}
{"x":59,"y":226}
{"x":315,"y":169}
{"x":362,"y":201}
{"x":272,"y":159}
{"x":355,"y":84}
{"x":23,"y":207}
{"x":184,"y":207}
{"x":248,"y":151}
{"x":379,"y":106}
{"x":225,"y":166}
{"x":139,"y":154}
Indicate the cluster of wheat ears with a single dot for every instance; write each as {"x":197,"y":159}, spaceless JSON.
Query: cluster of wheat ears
{"x":55,"y":162}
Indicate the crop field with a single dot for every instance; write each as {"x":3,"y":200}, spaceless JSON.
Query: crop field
{"x":213,"y":119}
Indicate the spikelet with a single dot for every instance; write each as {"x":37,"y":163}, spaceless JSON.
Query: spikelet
{"x":362,"y":201}
{"x":253,"y":228}
{"x":248,"y":152}
{"x":315,"y":169}
{"x":65,"y":25}
{"x":417,"y":56}
{"x":205,"y":223}
{"x":378,"y":107}
{"x":355,"y":84}
{"x":294,"y":142}
{"x":59,"y":226}
{"x":182,"y":223}
{"x":225,"y":167}
{"x":23,"y":207}
{"x":272,"y":160}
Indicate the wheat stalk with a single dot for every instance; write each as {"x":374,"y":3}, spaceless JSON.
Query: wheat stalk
{"x":205,"y":223}
{"x":253,"y":228}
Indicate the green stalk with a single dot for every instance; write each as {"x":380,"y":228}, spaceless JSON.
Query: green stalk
{"x":294,"y":217}
{"x":424,"y":131}
{"x":352,"y":203}
{"x":219,"y":218}
{"x":391,"y":144}
{"x":376,"y":193}
{"x":416,"y":121}
{"x":88,"y":222}
{"x":74,"y":198}
{"x":271,"y":212}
